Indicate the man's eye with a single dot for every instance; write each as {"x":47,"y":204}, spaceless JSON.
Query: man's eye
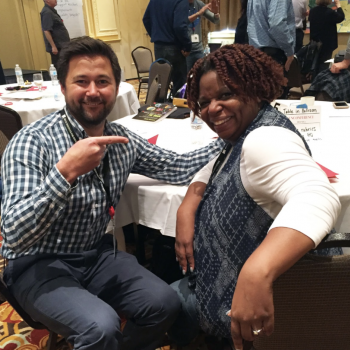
{"x":103,"y":82}
{"x":81,"y":81}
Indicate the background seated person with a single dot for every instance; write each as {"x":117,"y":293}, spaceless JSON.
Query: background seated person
{"x":266,"y":204}
{"x":337,"y":67}
{"x":61,"y":177}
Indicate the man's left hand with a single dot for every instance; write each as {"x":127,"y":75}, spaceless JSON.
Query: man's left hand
{"x":185,"y":53}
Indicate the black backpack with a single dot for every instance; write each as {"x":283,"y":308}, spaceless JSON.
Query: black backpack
{"x":308,"y":57}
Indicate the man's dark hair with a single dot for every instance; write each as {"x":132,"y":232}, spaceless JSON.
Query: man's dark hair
{"x":89,"y":47}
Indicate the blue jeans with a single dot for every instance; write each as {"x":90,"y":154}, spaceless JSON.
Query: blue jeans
{"x":192,"y":58}
{"x":82,"y":296}
{"x":186,"y":326}
{"x":173,"y":54}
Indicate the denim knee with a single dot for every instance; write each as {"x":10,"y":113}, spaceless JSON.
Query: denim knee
{"x":186,"y":326}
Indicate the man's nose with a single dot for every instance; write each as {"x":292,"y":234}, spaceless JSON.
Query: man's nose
{"x":92,"y":89}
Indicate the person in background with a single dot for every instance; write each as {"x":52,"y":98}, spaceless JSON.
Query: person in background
{"x":72,"y":166}
{"x":55,"y":33}
{"x":271,"y":28}
{"x":196,"y":10}
{"x":300,"y":13}
{"x":252,"y":212}
{"x":166,"y":23}
{"x":323,"y":28}
{"x":337,"y":67}
{"x":241,"y":36}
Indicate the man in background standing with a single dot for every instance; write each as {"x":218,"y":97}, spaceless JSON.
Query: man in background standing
{"x":166,"y":23}
{"x":196,"y":10}
{"x":271,"y":28}
{"x":300,"y":13}
{"x":55,"y":33}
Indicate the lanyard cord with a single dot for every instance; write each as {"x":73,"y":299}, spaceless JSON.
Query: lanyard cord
{"x":225,"y":151}
{"x":105,"y":170}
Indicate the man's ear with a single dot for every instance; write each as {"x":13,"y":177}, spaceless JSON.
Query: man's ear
{"x":63,"y":90}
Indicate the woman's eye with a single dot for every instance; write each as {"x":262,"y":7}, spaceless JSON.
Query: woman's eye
{"x":203,"y":104}
{"x":226,"y":95}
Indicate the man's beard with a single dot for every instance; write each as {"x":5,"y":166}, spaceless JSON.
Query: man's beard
{"x":84,"y":117}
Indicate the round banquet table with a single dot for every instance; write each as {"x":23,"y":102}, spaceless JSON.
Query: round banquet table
{"x":31,"y":110}
{"x":154,"y":203}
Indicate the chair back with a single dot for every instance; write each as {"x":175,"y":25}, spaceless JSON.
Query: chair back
{"x":153,"y":90}
{"x":312,"y":304}
{"x":143,"y":59}
{"x":13,"y":302}
{"x":294,"y":75}
{"x":163,"y":69}
{"x":10,"y":123}
{"x":2,"y":76}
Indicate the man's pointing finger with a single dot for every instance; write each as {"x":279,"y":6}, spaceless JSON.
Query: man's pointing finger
{"x":108,"y":140}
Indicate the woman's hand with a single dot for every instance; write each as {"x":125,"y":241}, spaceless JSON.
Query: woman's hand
{"x":185,"y":225}
{"x":337,"y":67}
{"x":252,"y":304}
{"x":252,"y":307}
{"x":337,"y":3}
{"x":184,"y":240}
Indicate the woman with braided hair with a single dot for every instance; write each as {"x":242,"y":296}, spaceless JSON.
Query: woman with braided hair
{"x":252,"y":212}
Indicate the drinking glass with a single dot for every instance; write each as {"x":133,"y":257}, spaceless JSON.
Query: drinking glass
{"x":38,"y":80}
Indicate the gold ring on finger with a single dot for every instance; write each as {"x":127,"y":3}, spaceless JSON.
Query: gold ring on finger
{"x":257,"y":331}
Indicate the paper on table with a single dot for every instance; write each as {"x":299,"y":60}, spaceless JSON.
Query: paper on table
{"x":329,"y":173}
{"x":22,"y":95}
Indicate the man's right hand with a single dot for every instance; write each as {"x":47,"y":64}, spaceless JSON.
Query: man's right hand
{"x":204,"y":8}
{"x":288,"y":63}
{"x":54,"y":50}
{"x":185,"y":53}
{"x":85,"y":155}
{"x":337,"y":67}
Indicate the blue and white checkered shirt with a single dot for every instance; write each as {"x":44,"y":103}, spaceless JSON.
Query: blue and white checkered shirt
{"x":271,"y":23}
{"x":42,"y":213}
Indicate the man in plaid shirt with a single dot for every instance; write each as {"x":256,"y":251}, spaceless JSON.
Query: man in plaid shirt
{"x":61,"y":176}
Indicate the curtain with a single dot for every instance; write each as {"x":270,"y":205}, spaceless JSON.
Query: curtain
{"x":229,"y":13}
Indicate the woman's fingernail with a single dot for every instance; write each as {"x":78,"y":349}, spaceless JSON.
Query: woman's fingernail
{"x":176,"y":259}
{"x":228,"y":313}
{"x":184,"y":272}
{"x":191,"y":269}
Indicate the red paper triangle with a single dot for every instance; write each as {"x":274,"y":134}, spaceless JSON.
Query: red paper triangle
{"x":328,"y":172}
{"x":35,"y":88}
{"x":153,"y":140}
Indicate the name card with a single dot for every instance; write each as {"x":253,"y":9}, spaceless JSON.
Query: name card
{"x":306,"y":120}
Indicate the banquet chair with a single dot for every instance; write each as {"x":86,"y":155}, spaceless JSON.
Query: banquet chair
{"x":153,"y":90}
{"x":2,"y":76}
{"x":143,"y":58}
{"x":297,"y":89}
{"x":52,"y":343}
{"x":10,"y":123}
{"x":163,"y":69}
{"x":312,"y":304}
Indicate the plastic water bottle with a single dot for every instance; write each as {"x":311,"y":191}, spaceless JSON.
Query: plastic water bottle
{"x":19,"y":75}
{"x":53,"y":75}
{"x":196,"y":129}
{"x":56,"y":91}
{"x":206,"y":50}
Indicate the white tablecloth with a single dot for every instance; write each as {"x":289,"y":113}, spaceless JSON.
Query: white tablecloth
{"x":154,"y":204}
{"x":31,"y":110}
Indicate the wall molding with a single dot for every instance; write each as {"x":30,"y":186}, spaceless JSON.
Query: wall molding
{"x":102,"y":19}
